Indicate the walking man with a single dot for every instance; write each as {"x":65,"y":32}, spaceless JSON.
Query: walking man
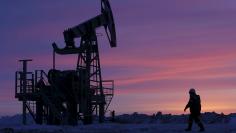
{"x":194,"y":104}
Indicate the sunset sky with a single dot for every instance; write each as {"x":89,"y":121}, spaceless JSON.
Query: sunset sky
{"x":164,"y":48}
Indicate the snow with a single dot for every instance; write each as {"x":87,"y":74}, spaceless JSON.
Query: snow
{"x":119,"y":128}
{"x":135,"y":118}
{"x":136,"y":123}
{"x":14,"y":120}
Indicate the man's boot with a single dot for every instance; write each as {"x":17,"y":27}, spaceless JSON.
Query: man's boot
{"x":189,"y":126}
{"x":202,"y":129}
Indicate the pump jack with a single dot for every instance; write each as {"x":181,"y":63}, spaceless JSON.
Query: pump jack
{"x":68,"y":96}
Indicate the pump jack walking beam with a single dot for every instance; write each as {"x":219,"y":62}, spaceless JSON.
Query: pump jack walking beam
{"x":88,"y":28}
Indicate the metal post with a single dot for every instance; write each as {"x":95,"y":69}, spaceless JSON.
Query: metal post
{"x":88,"y":96}
{"x":102,"y":104}
{"x":16,"y":85}
{"x":24,"y":78}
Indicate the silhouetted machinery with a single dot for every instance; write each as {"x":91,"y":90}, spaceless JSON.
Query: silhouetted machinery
{"x":64,"y":97}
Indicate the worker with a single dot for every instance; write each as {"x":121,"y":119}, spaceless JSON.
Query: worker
{"x":113,"y":116}
{"x":194,"y":104}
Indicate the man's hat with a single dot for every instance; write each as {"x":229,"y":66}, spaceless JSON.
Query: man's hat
{"x":192,"y":90}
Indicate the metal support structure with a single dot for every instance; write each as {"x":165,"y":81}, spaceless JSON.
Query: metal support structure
{"x":88,"y":65}
{"x":89,"y":61}
{"x":64,"y":97}
{"x":24,"y":85}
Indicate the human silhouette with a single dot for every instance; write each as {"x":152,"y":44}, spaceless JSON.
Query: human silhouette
{"x":194,"y":104}
{"x":113,"y":115}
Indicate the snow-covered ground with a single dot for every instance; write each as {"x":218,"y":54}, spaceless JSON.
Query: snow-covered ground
{"x":141,"y":127}
{"x":119,"y":128}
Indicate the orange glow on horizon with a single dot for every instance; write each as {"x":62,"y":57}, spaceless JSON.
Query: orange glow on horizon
{"x":174,"y":103}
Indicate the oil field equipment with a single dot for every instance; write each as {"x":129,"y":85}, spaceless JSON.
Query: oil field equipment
{"x":65,"y":97}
